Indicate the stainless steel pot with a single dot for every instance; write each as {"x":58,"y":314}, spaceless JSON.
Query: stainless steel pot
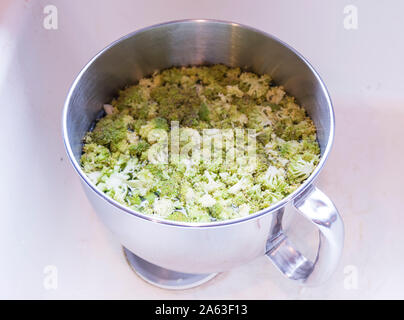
{"x":209,"y":247}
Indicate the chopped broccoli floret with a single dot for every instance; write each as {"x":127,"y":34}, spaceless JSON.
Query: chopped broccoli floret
{"x":300,"y":169}
{"x":138,"y":148}
{"x":163,"y":207}
{"x":126,"y":154}
{"x":203,"y":112}
{"x":109,"y":131}
{"x":178,"y":216}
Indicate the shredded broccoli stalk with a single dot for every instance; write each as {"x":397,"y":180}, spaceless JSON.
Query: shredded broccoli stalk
{"x":116,"y":154}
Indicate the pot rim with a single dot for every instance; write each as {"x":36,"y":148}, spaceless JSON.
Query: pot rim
{"x":160,"y":220}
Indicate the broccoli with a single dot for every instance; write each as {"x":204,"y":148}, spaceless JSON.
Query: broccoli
{"x":163,"y":207}
{"x":156,"y":123}
{"x":126,"y":154}
{"x":178,"y":216}
{"x":257,"y":86}
{"x":109,"y":131}
{"x":300,"y":169}
{"x":138,"y":148}
{"x":203,"y":112}
{"x":222,"y":211}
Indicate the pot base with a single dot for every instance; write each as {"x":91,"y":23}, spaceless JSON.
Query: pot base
{"x":165,"y":278}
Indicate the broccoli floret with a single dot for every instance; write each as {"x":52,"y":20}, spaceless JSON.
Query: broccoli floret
{"x":168,"y":188}
{"x":116,"y":186}
{"x":150,"y":197}
{"x":138,"y":148}
{"x":197,"y":214}
{"x":290,"y":148}
{"x":134,"y":200}
{"x":258,"y":118}
{"x":172,"y":75}
{"x":109,"y":131}
{"x":257,"y":86}
{"x":203,"y":112}
{"x":222,"y":210}
{"x":143,"y":182}
{"x":187,"y":193}
{"x":235,"y":90}
{"x":236,"y":116}
{"x":275,"y":95}
{"x":311,"y":146}
{"x":300,"y":169}
{"x":130,"y":97}
{"x":163,"y":207}
{"x":265,"y":135}
{"x":156,"y":123}
{"x":273,"y":179}
{"x":242,"y":184}
{"x":244,"y":210}
{"x":178,"y":216}
{"x":95,"y":157}
{"x":207,"y":201}
{"x":213,"y":92}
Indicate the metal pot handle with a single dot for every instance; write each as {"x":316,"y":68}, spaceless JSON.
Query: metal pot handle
{"x":319,"y":209}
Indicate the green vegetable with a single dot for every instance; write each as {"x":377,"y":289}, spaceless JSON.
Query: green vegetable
{"x":124,"y":153}
{"x":203,"y":112}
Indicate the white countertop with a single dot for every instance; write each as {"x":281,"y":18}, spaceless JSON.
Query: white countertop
{"x":46,"y":219}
